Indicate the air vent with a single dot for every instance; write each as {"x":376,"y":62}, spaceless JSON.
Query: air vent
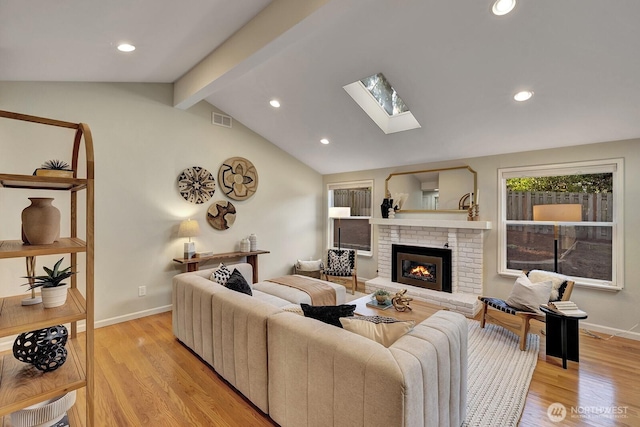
{"x":221,"y":120}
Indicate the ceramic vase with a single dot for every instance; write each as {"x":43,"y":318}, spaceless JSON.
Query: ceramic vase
{"x":253,"y":241}
{"x":40,"y":222}
{"x":54,"y":297}
{"x":245,"y":245}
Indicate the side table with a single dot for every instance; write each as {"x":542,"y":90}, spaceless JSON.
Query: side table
{"x":562,"y":335}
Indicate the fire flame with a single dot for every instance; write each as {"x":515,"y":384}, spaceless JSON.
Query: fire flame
{"x":420,"y":271}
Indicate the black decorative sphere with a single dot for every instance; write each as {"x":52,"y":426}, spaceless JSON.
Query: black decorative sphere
{"x":51,"y":358}
{"x":44,"y":348}
{"x":25,"y":347}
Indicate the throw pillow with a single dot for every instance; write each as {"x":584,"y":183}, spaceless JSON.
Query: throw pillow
{"x":529,"y":296}
{"x":309,"y":265}
{"x":330,"y":314}
{"x":559,"y":282}
{"x":339,"y":262}
{"x":237,"y":282}
{"x":384,"y":330}
{"x":221,"y":274}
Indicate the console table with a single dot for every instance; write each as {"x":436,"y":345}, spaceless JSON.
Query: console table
{"x":562,"y":335}
{"x":193,"y":264}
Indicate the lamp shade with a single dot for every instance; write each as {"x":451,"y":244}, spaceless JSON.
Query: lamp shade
{"x":189,"y":228}
{"x":559,"y":212}
{"x":339,"y":212}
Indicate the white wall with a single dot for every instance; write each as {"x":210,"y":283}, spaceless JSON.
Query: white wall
{"x":617,"y":310}
{"x":142,"y":144}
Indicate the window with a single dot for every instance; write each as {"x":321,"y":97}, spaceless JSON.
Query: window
{"x":565,"y":218}
{"x":354,"y":231}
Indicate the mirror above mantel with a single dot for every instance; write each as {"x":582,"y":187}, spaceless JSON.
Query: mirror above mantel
{"x":446,"y":190}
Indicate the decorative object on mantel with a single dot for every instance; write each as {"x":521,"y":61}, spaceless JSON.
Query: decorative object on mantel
{"x":54,"y":168}
{"x":238,"y":178}
{"x":400,"y":302}
{"x":392,"y":213}
{"x":196,"y":184}
{"x":384,"y":207}
{"x":253,"y":242}
{"x":221,"y":215}
{"x":43,"y":348}
{"x":189,"y":228}
{"x":52,"y":412}
{"x":54,"y":292}
{"x":40,"y":222}
{"x":470,"y":203}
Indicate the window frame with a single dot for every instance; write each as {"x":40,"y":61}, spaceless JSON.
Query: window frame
{"x":614,"y":166}
{"x":330,"y":228}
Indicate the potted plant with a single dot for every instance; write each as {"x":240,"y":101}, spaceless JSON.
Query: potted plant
{"x":54,"y":292}
{"x":381,"y":295}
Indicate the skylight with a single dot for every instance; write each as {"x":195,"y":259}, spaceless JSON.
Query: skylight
{"x":376,"y":96}
{"x":385,"y":94}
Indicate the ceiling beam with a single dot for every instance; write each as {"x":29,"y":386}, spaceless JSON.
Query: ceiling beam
{"x":271,"y":30}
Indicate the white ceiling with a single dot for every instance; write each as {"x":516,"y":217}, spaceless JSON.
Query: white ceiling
{"x":455,"y":65}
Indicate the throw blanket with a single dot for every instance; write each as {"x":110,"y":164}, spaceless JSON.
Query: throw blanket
{"x":320,"y":293}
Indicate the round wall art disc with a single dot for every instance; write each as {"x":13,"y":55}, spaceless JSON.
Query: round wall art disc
{"x":196,"y":184}
{"x":238,"y":178}
{"x":221,"y":215}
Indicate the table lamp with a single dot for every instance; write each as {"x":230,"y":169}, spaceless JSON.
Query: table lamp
{"x":339,"y":212}
{"x":556,"y":213}
{"x":189,"y":228}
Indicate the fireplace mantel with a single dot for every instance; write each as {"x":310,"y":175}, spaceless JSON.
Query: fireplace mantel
{"x":439,"y":223}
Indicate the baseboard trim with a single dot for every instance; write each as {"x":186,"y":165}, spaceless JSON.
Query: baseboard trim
{"x":610,"y":331}
{"x":7,"y":342}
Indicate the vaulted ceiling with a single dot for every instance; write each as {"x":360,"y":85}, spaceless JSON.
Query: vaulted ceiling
{"x":454,"y":63}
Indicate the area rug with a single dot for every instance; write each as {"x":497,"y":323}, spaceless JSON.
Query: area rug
{"x":499,"y":375}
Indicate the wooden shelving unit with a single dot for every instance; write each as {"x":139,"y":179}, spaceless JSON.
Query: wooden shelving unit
{"x":21,"y":385}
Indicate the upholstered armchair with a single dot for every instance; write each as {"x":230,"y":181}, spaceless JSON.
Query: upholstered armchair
{"x":342,"y":263}
{"x":560,"y":290}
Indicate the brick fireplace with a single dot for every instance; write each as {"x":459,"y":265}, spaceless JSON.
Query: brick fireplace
{"x":464,"y":240}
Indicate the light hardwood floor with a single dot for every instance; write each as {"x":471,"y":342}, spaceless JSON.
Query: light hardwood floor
{"x":145,"y":377}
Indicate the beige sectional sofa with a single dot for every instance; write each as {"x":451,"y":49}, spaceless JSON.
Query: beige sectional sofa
{"x":303,"y":372}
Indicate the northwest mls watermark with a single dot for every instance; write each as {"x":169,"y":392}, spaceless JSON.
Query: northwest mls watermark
{"x":557,"y":412}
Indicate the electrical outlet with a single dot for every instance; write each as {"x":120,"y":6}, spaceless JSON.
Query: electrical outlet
{"x":142,"y":291}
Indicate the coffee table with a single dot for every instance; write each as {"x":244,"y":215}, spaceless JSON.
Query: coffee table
{"x":421,"y":310}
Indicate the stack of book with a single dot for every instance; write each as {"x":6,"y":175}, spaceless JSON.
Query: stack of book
{"x":567,"y":308}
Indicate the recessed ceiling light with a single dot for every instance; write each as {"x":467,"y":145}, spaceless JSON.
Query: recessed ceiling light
{"x":275,"y":103}
{"x":502,"y":7}
{"x":126,"y":47}
{"x":523,"y":95}
{"x":325,"y":141}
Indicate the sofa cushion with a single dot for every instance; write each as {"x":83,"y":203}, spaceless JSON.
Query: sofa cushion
{"x":529,"y":296}
{"x":237,"y":283}
{"x":330,"y":314}
{"x":221,"y":274}
{"x":384,"y":330}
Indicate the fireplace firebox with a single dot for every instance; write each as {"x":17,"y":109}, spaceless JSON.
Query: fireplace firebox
{"x":421,"y":266}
